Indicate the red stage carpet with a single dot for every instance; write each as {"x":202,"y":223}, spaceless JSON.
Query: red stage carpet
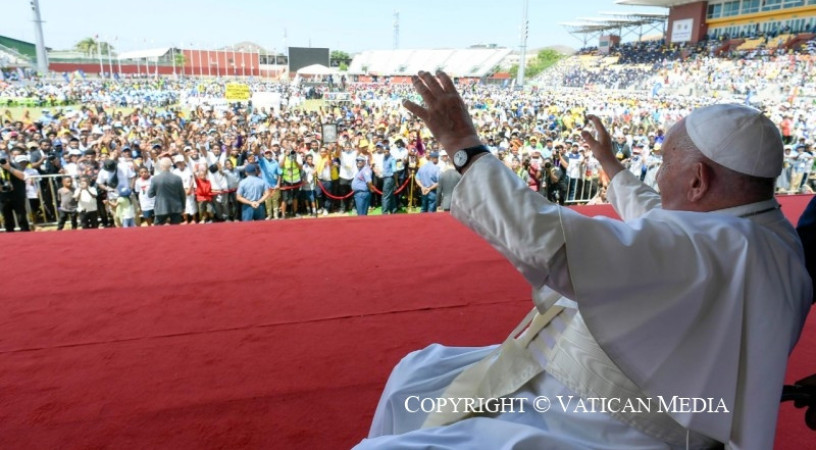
{"x":263,"y":335}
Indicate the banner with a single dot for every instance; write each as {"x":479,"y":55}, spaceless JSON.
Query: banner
{"x":681,"y":30}
{"x":237,"y":92}
{"x":337,"y":96}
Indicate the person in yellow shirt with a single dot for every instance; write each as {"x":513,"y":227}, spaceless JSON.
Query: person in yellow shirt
{"x":324,"y":172}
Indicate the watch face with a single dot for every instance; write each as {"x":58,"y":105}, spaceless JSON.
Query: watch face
{"x":460,"y":158}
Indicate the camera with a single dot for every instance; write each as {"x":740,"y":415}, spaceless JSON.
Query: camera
{"x":548,"y":165}
{"x":213,"y":168}
{"x":3,"y":161}
{"x":292,"y":153}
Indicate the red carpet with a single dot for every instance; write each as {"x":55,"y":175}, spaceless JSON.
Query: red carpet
{"x":264,"y":335}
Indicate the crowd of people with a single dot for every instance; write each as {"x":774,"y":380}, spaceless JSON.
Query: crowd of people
{"x":111,"y":156}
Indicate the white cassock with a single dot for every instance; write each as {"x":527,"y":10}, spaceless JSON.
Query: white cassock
{"x":665,"y":304}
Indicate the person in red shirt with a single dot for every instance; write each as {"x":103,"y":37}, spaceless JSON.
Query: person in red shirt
{"x":786,"y":127}
{"x":204,"y":195}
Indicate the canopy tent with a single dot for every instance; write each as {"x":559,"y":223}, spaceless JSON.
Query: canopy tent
{"x":316,"y":69}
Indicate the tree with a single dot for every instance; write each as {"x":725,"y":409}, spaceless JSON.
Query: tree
{"x":90,"y":46}
{"x":339,"y":55}
{"x":86,"y":46}
{"x":343,"y":67}
{"x":180,"y":59}
{"x":544,"y":60}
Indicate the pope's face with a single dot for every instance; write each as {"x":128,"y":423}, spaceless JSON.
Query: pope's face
{"x":675,"y":173}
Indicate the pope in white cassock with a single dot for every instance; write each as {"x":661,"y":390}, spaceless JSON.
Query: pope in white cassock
{"x":669,"y":329}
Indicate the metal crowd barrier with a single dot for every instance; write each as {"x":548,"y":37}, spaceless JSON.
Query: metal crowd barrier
{"x":581,"y":190}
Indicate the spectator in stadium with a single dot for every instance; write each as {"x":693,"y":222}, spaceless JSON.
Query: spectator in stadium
{"x":307,"y":190}
{"x":448,"y":179}
{"x":188,"y":182}
{"x":362,"y":186}
{"x":290,"y":182}
{"x":170,"y":194}
{"x":146,"y":203}
{"x":427,"y":178}
{"x":252,"y":192}
{"x":86,"y":203}
{"x":67,"y":204}
{"x":125,"y":213}
{"x":271,"y":171}
{"x":745,"y":253}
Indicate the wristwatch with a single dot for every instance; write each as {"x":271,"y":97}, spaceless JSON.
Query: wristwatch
{"x":462,"y":157}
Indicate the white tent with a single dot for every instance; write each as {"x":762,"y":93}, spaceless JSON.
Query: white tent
{"x":316,"y":69}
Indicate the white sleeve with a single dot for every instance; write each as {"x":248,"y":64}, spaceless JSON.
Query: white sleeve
{"x":630,"y":197}
{"x":520,"y":223}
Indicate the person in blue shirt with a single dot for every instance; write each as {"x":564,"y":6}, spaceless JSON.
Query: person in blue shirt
{"x":389,"y":172}
{"x":362,"y":185}
{"x":272,"y":172}
{"x":428,"y":178}
{"x":252,"y":192}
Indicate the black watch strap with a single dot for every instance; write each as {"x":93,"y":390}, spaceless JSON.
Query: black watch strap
{"x":462,"y":162}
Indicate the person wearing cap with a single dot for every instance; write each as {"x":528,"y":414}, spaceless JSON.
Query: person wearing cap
{"x":13,"y":191}
{"x":32,"y":187}
{"x":637,"y":164}
{"x":427,"y":178}
{"x":123,"y":208}
{"x":700,"y":292}
{"x":271,"y":172}
{"x":252,"y":192}
{"x":362,"y":186}
{"x":170,"y":194}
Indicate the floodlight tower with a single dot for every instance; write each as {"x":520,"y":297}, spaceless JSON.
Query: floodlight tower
{"x":525,"y":26}
{"x":396,"y":30}
{"x":42,"y":58}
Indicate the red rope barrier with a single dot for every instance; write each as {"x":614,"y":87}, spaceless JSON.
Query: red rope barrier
{"x":294,"y":186}
{"x":333,"y":197}
{"x":407,"y":180}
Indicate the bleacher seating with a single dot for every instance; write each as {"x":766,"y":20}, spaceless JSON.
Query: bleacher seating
{"x":751,"y":44}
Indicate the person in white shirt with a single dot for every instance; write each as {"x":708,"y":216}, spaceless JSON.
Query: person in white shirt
{"x":348,"y":168}
{"x":220,"y":191}
{"x":86,"y":203}
{"x":699,"y":293}
{"x":188,"y":181}
{"x":146,"y":203}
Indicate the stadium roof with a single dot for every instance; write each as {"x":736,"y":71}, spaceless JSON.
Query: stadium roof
{"x":149,"y":53}
{"x":658,"y":3}
{"x":469,"y":62}
{"x":622,"y":22}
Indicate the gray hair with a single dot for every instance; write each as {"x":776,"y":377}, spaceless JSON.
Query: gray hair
{"x":165,"y":164}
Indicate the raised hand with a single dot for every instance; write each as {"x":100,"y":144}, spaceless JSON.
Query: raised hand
{"x":602,"y":147}
{"x":444,"y":112}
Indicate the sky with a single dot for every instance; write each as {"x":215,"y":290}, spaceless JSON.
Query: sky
{"x":348,"y":25}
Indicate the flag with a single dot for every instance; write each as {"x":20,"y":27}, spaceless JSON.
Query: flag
{"x":65,"y":76}
{"x":81,"y":73}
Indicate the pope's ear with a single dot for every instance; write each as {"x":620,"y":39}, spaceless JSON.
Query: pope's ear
{"x":700,"y":182}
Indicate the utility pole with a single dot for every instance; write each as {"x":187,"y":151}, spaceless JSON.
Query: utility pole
{"x":525,"y":26}
{"x":42,"y":57}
